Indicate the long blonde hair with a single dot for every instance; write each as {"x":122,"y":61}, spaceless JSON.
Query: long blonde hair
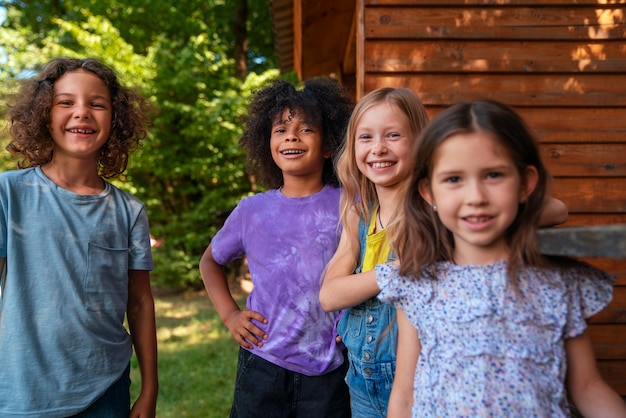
{"x":358,"y":191}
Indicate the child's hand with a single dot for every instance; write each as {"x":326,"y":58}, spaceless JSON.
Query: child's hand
{"x":245,"y":332}
{"x":143,"y":408}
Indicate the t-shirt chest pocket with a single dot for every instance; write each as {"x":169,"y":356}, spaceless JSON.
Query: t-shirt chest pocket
{"x":106,"y":281}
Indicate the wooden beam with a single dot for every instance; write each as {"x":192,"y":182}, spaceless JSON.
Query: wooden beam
{"x":606,"y":241}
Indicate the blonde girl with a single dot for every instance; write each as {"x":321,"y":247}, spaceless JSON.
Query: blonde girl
{"x":373,"y":168}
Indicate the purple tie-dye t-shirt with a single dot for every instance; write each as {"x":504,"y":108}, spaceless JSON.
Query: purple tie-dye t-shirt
{"x":288,"y":242}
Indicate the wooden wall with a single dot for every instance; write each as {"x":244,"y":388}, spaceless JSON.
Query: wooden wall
{"x":560,"y":63}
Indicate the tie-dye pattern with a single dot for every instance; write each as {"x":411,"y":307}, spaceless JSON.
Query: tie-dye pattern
{"x":288,"y":242}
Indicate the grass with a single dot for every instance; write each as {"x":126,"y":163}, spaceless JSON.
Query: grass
{"x":197,"y":358}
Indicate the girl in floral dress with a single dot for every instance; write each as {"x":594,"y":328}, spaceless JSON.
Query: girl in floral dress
{"x":487,"y":326}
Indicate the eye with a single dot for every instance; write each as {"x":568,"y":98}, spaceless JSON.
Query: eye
{"x":98,"y":105}
{"x":394,"y":135}
{"x":452,"y":179}
{"x":364,"y":137}
{"x":494,"y":175}
{"x":279,"y":130}
{"x":307,"y":130}
{"x":64,"y":103}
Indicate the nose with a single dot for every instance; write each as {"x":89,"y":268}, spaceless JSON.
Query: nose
{"x":476,"y":194}
{"x":82,"y":111}
{"x":379,"y":147}
{"x":291,"y":135}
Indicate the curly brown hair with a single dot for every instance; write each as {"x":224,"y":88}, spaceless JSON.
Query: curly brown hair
{"x":30,"y":117}
{"x":324,"y":101}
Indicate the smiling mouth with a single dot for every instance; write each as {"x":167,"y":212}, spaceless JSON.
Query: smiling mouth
{"x":292,"y":152}
{"x":477,"y":219}
{"x":81,"y":131}
{"x":383,"y":164}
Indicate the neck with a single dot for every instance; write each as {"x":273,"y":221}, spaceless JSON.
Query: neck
{"x":388,"y":200}
{"x":77,"y":176}
{"x":295,"y":187}
{"x":480,"y":255}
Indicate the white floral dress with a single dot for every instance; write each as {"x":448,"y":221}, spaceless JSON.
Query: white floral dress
{"x":489,"y":349}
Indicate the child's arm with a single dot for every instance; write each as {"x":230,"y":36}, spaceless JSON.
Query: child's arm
{"x":238,"y":322}
{"x":590,"y":393}
{"x":554,"y":212}
{"x":141,"y":324}
{"x":340,"y":288}
{"x":401,"y":398}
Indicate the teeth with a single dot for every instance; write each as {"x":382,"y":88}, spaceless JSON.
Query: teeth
{"x":292,"y":151}
{"x":81,"y":131}
{"x":382,"y":164}
{"x":477,"y":219}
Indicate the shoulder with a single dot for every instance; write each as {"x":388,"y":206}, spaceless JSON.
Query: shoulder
{"x":16,"y":175}
{"x":18,"y":182}
{"x":125,"y":198}
{"x":258,"y":199}
{"x":332,"y":191}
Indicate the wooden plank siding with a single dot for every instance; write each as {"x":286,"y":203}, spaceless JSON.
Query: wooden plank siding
{"x":560,"y":63}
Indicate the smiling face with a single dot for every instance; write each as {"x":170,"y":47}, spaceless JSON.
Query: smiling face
{"x":383,"y":144}
{"x":80,"y":118}
{"x":477,"y":189}
{"x":297,"y":147}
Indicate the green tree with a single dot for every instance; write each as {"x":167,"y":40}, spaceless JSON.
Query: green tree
{"x":198,"y":61}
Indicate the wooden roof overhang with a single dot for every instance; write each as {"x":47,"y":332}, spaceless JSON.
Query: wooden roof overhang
{"x":315,"y":37}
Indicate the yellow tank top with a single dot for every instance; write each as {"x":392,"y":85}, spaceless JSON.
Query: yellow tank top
{"x":376,"y":247}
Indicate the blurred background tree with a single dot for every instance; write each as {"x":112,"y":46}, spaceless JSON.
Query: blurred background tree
{"x":198,"y":61}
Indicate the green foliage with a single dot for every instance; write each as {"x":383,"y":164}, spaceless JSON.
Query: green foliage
{"x":190,"y":172}
{"x":196,"y":353}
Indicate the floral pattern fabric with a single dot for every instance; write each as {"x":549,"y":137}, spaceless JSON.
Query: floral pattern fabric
{"x":491,"y":348}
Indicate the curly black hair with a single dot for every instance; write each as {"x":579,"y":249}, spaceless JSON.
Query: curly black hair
{"x":30,"y":117}
{"x":323,"y":100}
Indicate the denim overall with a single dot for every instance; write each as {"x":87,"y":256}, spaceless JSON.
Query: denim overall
{"x":370,"y":332}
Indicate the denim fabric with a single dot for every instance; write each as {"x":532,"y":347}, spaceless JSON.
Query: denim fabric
{"x":115,"y":403}
{"x":263,"y":389}
{"x":369,"y":332}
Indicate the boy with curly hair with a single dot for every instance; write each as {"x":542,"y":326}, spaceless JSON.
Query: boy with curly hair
{"x":290,"y":364}
{"x":76,"y":250}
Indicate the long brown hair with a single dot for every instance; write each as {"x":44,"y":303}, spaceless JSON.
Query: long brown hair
{"x":419,"y":238}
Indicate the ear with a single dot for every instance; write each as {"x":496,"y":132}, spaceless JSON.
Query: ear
{"x":328,"y":155}
{"x":529,"y":183}
{"x":424,"y":190}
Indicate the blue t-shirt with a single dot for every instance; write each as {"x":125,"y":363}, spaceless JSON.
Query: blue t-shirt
{"x":288,"y":242}
{"x":62,"y":338}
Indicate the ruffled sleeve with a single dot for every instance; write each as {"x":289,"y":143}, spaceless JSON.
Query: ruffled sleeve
{"x":407,"y":293}
{"x":387,"y":279}
{"x":590,"y":291}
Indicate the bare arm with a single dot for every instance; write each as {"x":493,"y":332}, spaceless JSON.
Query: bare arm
{"x":554,"y":212}
{"x":341,"y":288}
{"x":590,"y":393}
{"x":239,"y":323}
{"x":142,"y":327}
{"x":401,"y":398}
